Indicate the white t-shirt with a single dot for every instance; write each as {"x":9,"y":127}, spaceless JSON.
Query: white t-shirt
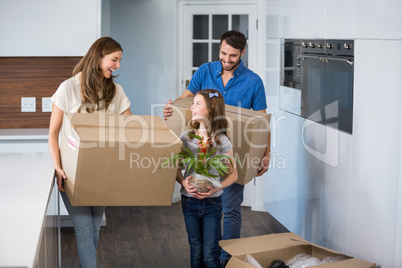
{"x":68,"y":98}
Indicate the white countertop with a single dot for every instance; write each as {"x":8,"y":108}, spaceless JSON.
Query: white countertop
{"x":24,"y":134}
{"x":26,"y":180}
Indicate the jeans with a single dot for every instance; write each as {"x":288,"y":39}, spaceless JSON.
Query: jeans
{"x":203,"y":225}
{"x":86,"y":221}
{"x":232,"y":198}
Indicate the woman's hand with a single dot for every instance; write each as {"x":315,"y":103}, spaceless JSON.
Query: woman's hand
{"x":60,"y":177}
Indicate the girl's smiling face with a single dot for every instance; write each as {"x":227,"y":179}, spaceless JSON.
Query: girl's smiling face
{"x":199,"y":109}
{"x":110,"y":63}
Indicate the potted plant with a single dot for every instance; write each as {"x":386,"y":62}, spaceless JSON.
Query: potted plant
{"x":202,"y":163}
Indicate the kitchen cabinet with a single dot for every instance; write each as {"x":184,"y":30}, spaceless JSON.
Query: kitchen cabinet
{"x":292,"y":19}
{"x":48,"y":28}
{"x":48,"y":254}
{"x":28,"y":235}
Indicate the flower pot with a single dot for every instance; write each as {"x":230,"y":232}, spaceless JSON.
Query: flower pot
{"x":201,"y":182}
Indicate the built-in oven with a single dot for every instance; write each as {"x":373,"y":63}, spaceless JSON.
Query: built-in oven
{"x":326,"y":81}
{"x":291,"y":74}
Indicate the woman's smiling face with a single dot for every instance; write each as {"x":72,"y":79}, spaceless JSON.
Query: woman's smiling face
{"x":110,"y":63}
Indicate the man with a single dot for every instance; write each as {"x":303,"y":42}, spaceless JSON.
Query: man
{"x":240,"y":87}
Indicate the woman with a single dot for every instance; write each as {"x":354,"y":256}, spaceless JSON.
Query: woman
{"x":90,"y":90}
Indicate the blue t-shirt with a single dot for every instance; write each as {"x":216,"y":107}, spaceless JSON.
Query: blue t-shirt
{"x":245,"y":89}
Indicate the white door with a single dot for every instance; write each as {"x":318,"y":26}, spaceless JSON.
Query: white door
{"x":200,"y":28}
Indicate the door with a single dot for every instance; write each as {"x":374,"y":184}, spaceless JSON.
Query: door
{"x":200,"y":28}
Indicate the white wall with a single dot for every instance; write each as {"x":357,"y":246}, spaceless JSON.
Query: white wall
{"x":48,"y":27}
{"x":355,"y":206}
{"x":146,"y":31}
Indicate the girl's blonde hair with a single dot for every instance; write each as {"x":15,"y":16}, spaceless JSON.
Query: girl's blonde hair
{"x":216,"y":122}
{"x":91,"y":79}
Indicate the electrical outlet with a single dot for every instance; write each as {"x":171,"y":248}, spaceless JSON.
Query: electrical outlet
{"x":46,"y":105}
{"x":28,"y":104}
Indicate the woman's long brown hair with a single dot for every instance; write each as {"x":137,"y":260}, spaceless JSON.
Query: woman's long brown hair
{"x":91,"y":76}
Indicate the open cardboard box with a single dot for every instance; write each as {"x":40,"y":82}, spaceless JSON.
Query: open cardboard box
{"x":283,"y":246}
{"x":115,"y":160}
{"x":248,"y":132}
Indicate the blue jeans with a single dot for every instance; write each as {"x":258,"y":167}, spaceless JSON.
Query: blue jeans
{"x":203,"y":225}
{"x":86,"y":221}
{"x":232,"y":198}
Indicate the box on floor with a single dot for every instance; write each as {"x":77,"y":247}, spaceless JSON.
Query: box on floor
{"x":115,"y":160}
{"x":248,"y":132}
{"x":284,"y":246}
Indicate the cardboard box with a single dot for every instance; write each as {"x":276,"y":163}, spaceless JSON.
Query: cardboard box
{"x":248,"y":132}
{"x":283,"y":246}
{"x":115,"y":160}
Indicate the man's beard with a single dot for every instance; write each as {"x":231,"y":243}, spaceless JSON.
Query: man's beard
{"x":232,"y":68}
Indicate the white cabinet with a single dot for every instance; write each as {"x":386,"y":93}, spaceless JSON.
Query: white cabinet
{"x":292,"y":19}
{"x":48,"y":27}
{"x":367,"y":23}
{"x":274,"y":19}
{"x":313,"y":24}
{"x":391,"y":19}
{"x":340,"y":19}
{"x":48,"y":254}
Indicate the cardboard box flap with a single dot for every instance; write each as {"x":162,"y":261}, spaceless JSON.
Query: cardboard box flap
{"x":245,"y":112}
{"x":350,"y":263}
{"x":133,"y":136}
{"x":184,"y":103}
{"x":280,"y":245}
{"x":250,"y":245}
{"x":79,"y":120}
{"x":187,"y":102}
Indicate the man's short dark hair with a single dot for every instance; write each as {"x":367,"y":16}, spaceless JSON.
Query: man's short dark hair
{"x":234,"y":39}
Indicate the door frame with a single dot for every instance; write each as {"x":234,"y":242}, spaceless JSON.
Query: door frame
{"x":260,"y":40}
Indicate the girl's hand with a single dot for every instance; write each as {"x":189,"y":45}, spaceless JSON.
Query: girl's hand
{"x":207,"y":194}
{"x":60,"y":177}
{"x":189,"y":188}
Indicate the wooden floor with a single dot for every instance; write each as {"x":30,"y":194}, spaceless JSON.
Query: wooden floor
{"x":152,"y":237}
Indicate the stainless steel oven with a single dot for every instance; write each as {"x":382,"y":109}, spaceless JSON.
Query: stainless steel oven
{"x":291,"y":74}
{"x":326,"y":81}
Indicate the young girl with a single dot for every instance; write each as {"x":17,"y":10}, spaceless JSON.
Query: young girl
{"x":90,"y":90}
{"x":203,"y":211}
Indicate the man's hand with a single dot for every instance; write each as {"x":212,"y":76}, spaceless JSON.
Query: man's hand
{"x":263,"y":166}
{"x":167,"y":109}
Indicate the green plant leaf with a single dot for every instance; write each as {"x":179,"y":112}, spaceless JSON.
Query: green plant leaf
{"x":191,"y":163}
{"x":195,"y":136}
{"x":202,"y":172}
{"x":211,"y":153}
{"x":189,"y":152}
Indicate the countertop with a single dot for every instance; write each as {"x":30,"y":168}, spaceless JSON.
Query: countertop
{"x":24,"y":134}
{"x":26,"y":181}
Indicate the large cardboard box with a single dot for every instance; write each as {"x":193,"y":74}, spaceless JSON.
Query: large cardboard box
{"x":248,"y":132}
{"x":283,"y":246}
{"x":115,"y":160}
